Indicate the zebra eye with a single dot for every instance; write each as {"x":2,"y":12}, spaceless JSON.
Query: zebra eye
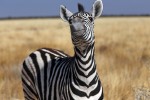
{"x":70,"y":21}
{"x":91,"y":19}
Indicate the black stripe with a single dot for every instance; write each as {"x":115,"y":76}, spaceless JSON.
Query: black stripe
{"x":78,"y":92}
{"x":28,"y":96}
{"x":78,"y":65}
{"x":56,"y":52}
{"x":34,"y":58}
{"x":54,"y":68}
{"x":93,"y":81}
{"x":43,"y":55}
{"x":28,"y":87}
{"x":26,"y":78}
{"x":97,"y":90}
{"x":102,"y":96}
{"x":84,"y":62}
{"x":92,"y":71}
{"x":50,"y":78}
{"x":28,"y":72}
{"x":82,"y":74}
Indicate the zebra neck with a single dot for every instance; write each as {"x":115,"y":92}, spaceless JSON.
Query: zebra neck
{"x":85,"y":67}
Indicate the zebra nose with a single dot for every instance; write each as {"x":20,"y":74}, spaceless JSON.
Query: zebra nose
{"x":75,"y":27}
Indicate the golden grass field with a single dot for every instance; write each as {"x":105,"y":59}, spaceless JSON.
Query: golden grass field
{"x":122,"y":52}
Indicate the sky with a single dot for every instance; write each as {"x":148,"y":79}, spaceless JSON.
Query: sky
{"x":29,"y":8}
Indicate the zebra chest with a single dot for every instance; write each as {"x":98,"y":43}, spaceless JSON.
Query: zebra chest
{"x":82,"y":92}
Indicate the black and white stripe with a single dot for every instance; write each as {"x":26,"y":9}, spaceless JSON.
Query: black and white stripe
{"x":49,"y":74}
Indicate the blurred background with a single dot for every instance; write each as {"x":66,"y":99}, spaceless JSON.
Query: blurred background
{"x":122,"y":48}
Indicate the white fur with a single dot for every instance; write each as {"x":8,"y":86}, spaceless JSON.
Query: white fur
{"x":97,"y":12}
{"x":64,"y":12}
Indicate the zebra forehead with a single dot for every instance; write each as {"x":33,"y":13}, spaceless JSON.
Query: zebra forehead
{"x":81,"y":14}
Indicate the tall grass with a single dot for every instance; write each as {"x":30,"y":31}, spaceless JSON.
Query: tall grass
{"x":122,"y":52}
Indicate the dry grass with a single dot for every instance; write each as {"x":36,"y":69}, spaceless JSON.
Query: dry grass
{"x":122,"y":52}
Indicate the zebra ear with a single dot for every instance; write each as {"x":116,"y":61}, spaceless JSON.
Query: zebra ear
{"x":65,"y":13}
{"x":97,"y":8}
{"x":80,"y":7}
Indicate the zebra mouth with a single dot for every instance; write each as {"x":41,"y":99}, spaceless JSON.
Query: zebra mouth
{"x":79,"y":31}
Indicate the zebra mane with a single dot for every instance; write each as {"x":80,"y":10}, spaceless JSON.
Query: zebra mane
{"x":80,"y":7}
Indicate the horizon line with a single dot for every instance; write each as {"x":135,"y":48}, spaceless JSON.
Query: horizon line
{"x":44,"y":17}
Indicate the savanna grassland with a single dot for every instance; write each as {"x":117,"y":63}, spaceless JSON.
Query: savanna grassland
{"x":122,"y":52}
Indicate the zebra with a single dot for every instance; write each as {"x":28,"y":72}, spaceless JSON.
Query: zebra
{"x":50,"y":74}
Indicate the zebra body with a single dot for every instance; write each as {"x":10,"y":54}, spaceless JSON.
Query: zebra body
{"x":55,"y":77}
{"x":50,"y":74}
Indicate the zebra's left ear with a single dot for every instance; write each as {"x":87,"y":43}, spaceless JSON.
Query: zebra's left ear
{"x":97,"y":8}
{"x":65,"y":13}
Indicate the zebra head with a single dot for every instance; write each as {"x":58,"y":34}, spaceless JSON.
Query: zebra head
{"x":82,"y":23}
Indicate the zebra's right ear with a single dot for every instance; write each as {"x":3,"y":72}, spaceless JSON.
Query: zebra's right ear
{"x":65,"y":13}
